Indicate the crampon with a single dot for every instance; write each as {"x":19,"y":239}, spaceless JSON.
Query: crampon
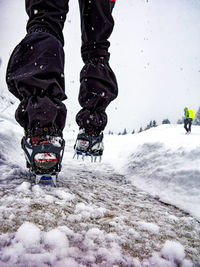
{"x":89,"y":146}
{"x":44,"y":158}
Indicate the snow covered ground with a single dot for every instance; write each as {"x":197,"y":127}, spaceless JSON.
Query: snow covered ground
{"x":139,"y":207}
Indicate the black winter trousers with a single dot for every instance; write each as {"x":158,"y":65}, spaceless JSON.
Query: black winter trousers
{"x":187,"y":124}
{"x":35,"y":73}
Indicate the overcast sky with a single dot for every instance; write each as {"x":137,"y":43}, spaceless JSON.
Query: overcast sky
{"x":155,"y":53}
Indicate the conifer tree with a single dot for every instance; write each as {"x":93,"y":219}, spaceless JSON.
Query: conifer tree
{"x":197,"y":118}
{"x":180,"y":121}
{"x":141,"y":130}
{"x":165,"y":121}
{"x":124,"y":132}
{"x":154,"y":124}
{"x":151,"y":124}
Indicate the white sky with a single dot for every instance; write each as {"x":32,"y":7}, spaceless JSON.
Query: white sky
{"x":154,"y":53}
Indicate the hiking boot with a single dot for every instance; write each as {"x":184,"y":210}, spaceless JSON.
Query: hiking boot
{"x":89,"y":144}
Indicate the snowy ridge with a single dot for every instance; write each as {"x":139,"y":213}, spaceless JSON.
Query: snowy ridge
{"x":96,"y":216}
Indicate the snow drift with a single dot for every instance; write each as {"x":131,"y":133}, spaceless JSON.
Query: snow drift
{"x":163,"y":161}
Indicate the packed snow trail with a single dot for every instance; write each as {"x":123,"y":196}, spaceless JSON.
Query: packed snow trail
{"x":105,"y":220}
{"x":93,"y":218}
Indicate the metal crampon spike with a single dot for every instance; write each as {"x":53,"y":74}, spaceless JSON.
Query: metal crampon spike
{"x":92,"y":159}
{"x":86,"y":154}
{"x":37,"y":179}
{"x":98,"y":157}
{"x":54,"y":179}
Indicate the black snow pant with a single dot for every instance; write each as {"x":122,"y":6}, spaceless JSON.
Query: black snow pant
{"x":187,"y":124}
{"x":35,"y":73}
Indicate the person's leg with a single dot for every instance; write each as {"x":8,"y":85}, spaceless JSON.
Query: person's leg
{"x":98,"y":83}
{"x":47,"y":16}
{"x":96,"y":26}
{"x":185,"y":124}
{"x":35,"y":73}
{"x":189,"y":125}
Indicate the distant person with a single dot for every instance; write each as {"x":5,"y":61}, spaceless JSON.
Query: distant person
{"x":189,"y":116}
{"x":35,"y":75}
